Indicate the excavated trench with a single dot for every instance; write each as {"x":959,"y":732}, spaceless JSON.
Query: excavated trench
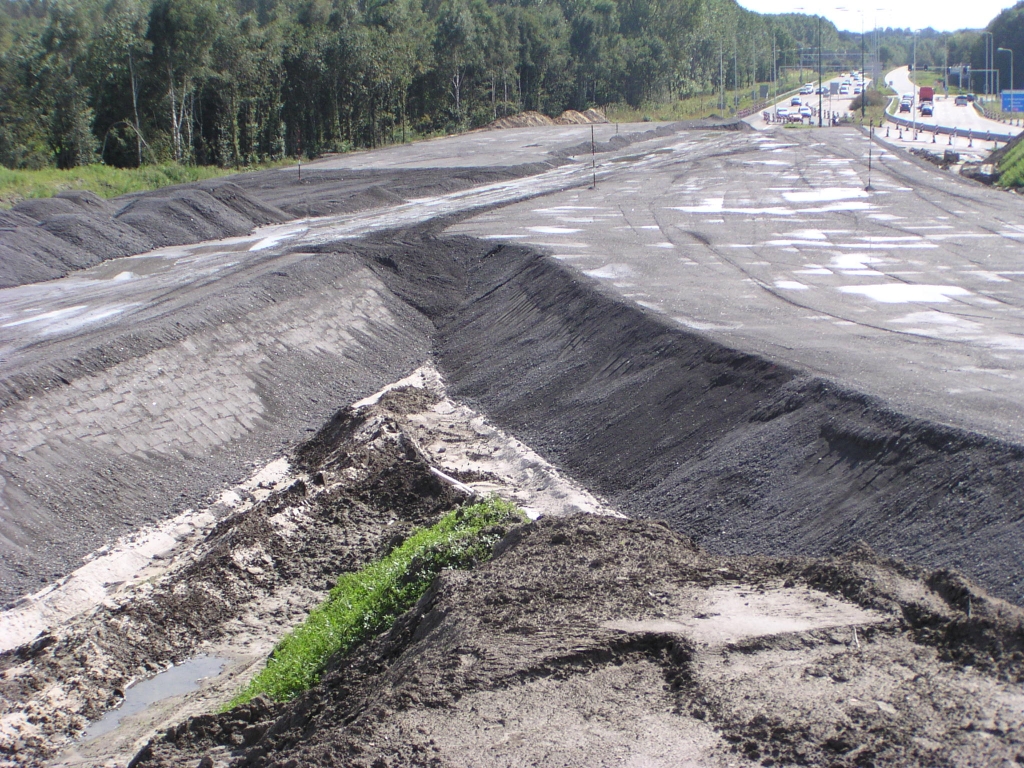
{"x":741,"y":454}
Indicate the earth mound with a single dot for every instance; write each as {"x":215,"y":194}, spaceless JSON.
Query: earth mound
{"x":46,"y":238}
{"x":531,"y":119}
{"x":599,"y":641}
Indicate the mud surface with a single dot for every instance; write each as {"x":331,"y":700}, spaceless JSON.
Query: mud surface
{"x":587,"y":640}
{"x":700,"y":631}
{"x":608,"y":642}
{"x":356,"y":490}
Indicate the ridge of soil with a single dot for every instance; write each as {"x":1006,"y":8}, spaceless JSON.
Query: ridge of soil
{"x":601,"y":642}
{"x":745,"y":455}
{"x":358,"y":488}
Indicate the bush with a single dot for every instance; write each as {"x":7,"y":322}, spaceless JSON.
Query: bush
{"x":365,"y":603}
{"x":874,"y":98}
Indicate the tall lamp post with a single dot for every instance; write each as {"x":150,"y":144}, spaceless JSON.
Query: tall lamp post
{"x":913,"y":106}
{"x":1007,"y":50}
{"x":820,"y":84}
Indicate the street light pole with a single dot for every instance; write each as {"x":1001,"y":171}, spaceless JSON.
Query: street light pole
{"x":1007,"y":50}
{"x":913,"y":83}
{"x":863,"y":85}
{"x":820,"y":84}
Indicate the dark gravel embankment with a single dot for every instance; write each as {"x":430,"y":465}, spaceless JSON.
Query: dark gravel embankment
{"x":742,"y":454}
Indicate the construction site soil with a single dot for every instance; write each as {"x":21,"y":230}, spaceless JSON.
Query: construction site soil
{"x":796,"y":584}
{"x":587,"y":640}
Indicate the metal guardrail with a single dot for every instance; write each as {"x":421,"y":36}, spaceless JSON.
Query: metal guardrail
{"x":759,"y":107}
{"x":945,"y":130}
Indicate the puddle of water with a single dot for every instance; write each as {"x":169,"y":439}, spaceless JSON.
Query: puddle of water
{"x":553,"y":230}
{"x":174,"y":682}
{"x":900,"y":293}
{"x":610,"y":272}
{"x":824,"y":195}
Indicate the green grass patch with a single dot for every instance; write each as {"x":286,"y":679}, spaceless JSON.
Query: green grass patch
{"x":105,"y":180}
{"x":367,"y":602}
{"x":1011,"y":167}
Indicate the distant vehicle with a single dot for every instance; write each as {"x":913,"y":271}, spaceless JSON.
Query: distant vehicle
{"x":844,"y":90}
{"x":806,"y":112}
{"x":904,"y":106}
{"x":926,"y":93}
{"x":807,"y":89}
{"x":796,"y":117}
{"x":927,"y":109}
{"x":823,"y":90}
{"x":795,"y":101}
{"x":960,"y":101}
{"x":782,"y":113}
{"x":857,"y":89}
{"x":970,"y":97}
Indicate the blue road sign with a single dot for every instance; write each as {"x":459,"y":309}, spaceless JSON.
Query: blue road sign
{"x":1013,"y":101}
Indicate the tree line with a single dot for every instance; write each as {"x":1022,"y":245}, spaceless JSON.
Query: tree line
{"x":234,"y":82}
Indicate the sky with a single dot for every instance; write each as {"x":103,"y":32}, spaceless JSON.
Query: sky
{"x":942,"y":15}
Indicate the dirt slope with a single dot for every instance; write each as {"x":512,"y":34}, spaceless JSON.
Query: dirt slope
{"x":603,"y":642}
{"x":355,"y":491}
{"x":745,"y":455}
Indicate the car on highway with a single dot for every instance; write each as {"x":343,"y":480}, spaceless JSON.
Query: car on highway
{"x":806,"y":112}
{"x":960,"y":101}
{"x":795,"y":101}
{"x":844,"y":90}
{"x":807,"y":89}
{"x":782,"y":113}
{"x":857,"y":89}
{"x":823,"y":90}
{"x":927,"y":110}
{"x":905,"y":106}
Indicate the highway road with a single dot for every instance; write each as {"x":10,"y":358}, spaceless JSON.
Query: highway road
{"x":830,"y":103}
{"x":946,"y":112}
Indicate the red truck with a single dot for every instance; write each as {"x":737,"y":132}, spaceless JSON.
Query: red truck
{"x":925,"y":93}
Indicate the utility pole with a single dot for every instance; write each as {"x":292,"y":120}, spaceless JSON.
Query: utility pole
{"x":1007,"y":50}
{"x":774,"y":67}
{"x":863,"y":74}
{"x":721,"y":76}
{"x":913,"y":105}
{"x":820,"y":83}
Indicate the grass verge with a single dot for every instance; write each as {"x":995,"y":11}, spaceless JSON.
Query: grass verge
{"x":1011,"y":167}
{"x":365,"y":603}
{"x":105,"y":180}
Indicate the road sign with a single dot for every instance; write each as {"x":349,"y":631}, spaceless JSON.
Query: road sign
{"x":1013,"y":101}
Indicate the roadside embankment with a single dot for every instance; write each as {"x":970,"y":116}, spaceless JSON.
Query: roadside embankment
{"x":586,"y":640}
{"x":742,"y":454}
{"x":604,"y":642}
{"x":271,"y":551}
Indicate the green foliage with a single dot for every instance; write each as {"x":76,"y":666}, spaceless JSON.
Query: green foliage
{"x":233,"y":83}
{"x":368,"y":602}
{"x":1011,"y":167}
{"x":104,"y":180}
